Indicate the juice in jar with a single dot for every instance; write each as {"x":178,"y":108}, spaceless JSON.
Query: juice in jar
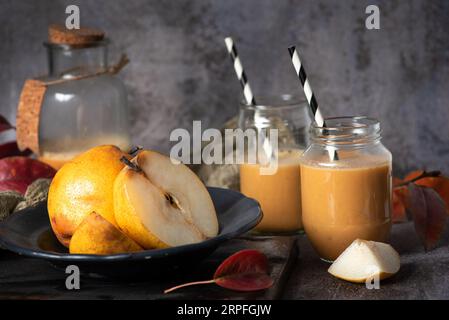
{"x":341,"y":204}
{"x":279,"y":194}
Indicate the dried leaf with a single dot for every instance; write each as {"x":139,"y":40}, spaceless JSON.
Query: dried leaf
{"x":246,"y":270}
{"x":429,"y":214}
{"x":8,"y":202}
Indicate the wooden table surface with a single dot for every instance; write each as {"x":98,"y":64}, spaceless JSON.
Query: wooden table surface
{"x":298,"y":276}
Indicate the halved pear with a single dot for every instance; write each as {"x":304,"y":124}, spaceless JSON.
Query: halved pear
{"x":160,"y":204}
{"x":96,"y":235}
{"x":364,"y":260}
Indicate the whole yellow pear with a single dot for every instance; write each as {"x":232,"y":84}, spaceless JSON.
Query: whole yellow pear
{"x":96,"y":235}
{"x":81,"y":186}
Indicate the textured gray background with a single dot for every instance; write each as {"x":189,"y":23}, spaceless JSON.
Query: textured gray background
{"x":180,"y":71}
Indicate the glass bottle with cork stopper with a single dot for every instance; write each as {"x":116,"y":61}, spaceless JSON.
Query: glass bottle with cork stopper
{"x":79,"y":104}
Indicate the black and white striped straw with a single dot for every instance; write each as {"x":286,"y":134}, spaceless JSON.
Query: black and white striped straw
{"x":300,"y":71}
{"x":247,"y":92}
{"x":306,"y":86}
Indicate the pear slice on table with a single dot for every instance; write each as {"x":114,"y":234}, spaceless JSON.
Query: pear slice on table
{"x":160,"y":204}
{"x":364,"y":260}
{"x":96,"y":235}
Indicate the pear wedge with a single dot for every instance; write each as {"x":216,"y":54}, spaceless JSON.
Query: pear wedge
{"x":96,"y":235}
{"x":160,"y":204}
{"x":364,"y":260}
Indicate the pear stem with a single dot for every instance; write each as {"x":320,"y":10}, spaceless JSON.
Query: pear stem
{"x":189,"y":284}
{"x":134,"y":150}
{"x":130,"y":165}
{"x":421,"y":176}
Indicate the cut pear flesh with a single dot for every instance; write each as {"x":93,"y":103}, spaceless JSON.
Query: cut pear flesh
{"x":96,"y":235}
{"x":173,"y":205}
{"x":364,"y":260}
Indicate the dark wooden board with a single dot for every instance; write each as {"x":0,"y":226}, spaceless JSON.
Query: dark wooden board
{"x":25,"y":278}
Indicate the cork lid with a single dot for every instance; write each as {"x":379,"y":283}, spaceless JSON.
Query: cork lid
{"x":28,"y":111}
{"x":58,"y":34}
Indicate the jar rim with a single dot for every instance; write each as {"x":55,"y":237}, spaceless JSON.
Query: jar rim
{"x":349,"y":130}
{"x":275,"y":102}
{"x":356,"y":121}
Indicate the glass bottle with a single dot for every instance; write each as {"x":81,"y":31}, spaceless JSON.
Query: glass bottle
{"x":79,"y":114}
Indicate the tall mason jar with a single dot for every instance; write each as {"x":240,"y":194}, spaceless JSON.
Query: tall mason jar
{"x":79,"y":114}
{"x":345,"y":185}
{"x":278,"y":192}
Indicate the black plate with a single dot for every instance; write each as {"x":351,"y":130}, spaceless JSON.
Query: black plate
{"x":28,"y":233}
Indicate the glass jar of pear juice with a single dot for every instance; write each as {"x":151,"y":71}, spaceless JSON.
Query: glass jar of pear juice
{"x":346,"y":185}
{"x":278,"y":192}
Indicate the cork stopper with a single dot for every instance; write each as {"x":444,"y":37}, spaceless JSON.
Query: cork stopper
{"x":84,"y":36}
{"x":28,"y":111}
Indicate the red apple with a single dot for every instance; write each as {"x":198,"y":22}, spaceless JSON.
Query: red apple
{"x":16,"y":173}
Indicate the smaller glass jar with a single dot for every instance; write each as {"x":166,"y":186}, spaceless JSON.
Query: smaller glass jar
{"x":347,"y":195}
{"x":79,"y":114}
{"x":278,"y":193}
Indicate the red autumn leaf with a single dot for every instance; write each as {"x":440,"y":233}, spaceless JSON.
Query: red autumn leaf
{"x":414,"y":174}
{"x":246,"y":270}
{"x":400,"y":195}
{"x":397,"y":181}
{"x":16,"y":173}
{"x":10,"y":149}
{"x":439,"y":184}
{"x":429,"y":214}
{"x":4,"y":124}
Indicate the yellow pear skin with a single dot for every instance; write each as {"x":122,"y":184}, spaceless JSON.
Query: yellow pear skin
{"x":81,"y":186}
{"x":96,"y":235}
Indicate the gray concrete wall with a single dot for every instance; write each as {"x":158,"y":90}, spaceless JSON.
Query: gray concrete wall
{"x":180,"y":71}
